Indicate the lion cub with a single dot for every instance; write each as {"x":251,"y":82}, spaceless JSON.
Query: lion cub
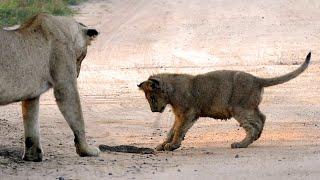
{"x":219,"y":94}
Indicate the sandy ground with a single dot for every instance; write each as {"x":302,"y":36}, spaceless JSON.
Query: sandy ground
{"x":141,"y":37}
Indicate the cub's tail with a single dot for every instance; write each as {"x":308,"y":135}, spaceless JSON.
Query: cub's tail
{"x":265,"y":82}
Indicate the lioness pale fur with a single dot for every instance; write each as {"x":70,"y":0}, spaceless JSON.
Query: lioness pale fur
{"x":45,"y":52}
{"x":218,"y":94}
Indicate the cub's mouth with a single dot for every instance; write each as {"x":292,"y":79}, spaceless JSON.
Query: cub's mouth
{"x":162,"y":109}
{"x":158,"y":110}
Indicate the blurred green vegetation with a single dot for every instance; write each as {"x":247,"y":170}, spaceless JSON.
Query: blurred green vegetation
{"x":16,"y":11}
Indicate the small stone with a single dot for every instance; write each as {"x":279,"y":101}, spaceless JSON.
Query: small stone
{"x":110,"y":174}
{"x":179,"y":170}
{"x":61,"y":178}
{"x":236,"y":156}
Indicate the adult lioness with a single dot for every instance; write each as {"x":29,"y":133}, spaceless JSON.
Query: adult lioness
{"x":218,"y":94}
{"x":45,"y":52}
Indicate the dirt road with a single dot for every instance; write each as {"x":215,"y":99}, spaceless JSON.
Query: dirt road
{"x":142,"y":37}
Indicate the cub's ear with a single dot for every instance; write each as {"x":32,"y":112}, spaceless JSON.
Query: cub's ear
{"x":155,"y":84}
{"x":140,"y":85}
{"x":92,"y":32}
{"x":149,"y":85}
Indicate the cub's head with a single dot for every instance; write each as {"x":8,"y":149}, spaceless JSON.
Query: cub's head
{"x":156,"y":94}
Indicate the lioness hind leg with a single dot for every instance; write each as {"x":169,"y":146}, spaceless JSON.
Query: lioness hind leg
{"x":30,"y":112}
{"x":251,"y":121}
{"x":68,"y":100}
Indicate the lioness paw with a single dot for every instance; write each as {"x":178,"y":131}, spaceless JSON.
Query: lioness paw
{"x":160,"y":147}
{"x":33,"y":154}
{"x":171,"y":147}
{"x":88,"y":151}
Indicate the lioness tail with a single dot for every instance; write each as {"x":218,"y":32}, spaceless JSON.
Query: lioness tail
{"x":265,"y":82}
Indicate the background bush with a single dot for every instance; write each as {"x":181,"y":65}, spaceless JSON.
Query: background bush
{"x":16,"y":11}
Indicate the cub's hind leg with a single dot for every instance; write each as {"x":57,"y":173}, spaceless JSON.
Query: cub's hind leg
{"x":252,"y":121}
{"x":262,"y":119}
{"x":30,"y":112}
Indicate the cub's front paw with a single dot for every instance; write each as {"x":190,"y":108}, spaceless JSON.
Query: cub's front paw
{"x":171,"y":146}
{"x":88,"y":151}
{"x":160,"y":147}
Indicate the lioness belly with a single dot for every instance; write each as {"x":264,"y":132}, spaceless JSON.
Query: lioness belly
{"x":24,"y":70}
{"x":13,"y":93}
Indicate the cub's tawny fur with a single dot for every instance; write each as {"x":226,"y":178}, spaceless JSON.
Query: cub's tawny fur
{"x":218,"y":94}
{"x":45,"y":52}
